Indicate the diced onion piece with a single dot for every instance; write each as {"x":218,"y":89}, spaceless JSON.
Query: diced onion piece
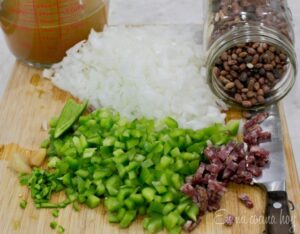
{"x":19,"y":163}
{"x":44,"y":126}
{"x":37,"y":157}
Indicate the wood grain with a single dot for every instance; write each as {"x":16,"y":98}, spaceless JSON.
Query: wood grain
{"x":28,"y":102}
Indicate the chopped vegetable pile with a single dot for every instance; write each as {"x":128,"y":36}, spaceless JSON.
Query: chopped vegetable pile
{"x":137,"y":167}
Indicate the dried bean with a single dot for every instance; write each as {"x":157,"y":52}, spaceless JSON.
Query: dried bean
{"x":248,"y":59}
{"x":224,"y":56}
{"x":243,"y":77}
{"x":238,"y":84}
{"x":224,"y":73}
{"x":243,"y":66}
{"x":262,"y":72}
{"x":229,"y":85}
{"x":266,"y":89}
{"x":247,"y":103}
{"x":258,"y":65}
{"x":234,"y":56}
{"x":256,"y":86}
{"x":251,"y":84}
{"x":249,"y":71}
{"x":251,"y":51}
{"x":270,"y":76}
{"x":233,"y":73}
{"x":216,"y":71}
{"x":246,"y":114}
{"x":261,"y":81}
{"x":238,"y":98}
{"x":250,"y":65}
{"x":242,"y":54}
{"x":250,"y":94}
{"x":260,"y":49}
{"x":260,"y":92}
{"x":268,"y":67}
{"x":261,"y":99}
{"x":253,"y":101}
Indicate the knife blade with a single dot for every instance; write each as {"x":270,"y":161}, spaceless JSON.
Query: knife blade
{"x":277,"y":215}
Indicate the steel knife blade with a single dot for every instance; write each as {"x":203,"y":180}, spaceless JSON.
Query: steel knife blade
{"x":277,"y":215}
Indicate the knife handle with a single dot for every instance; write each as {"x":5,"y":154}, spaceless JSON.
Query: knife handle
{"x":278,"y":219}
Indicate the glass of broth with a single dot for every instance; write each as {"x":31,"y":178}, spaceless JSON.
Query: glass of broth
{"x":39,"y":32}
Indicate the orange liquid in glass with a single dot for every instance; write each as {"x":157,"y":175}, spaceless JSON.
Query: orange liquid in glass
{"x":41,"y":31}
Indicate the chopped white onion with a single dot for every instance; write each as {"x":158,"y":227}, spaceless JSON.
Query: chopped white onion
{"x":151,"y":71}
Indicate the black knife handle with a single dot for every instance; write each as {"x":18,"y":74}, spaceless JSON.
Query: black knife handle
{"x":278,"y":219}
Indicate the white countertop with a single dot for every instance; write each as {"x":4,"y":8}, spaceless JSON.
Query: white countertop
{"x":178,"y":12}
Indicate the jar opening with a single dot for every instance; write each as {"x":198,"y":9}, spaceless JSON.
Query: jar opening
{"x":251,"y":67}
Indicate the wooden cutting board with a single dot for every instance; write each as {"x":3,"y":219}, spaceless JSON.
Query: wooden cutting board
{"x":28,"y":102}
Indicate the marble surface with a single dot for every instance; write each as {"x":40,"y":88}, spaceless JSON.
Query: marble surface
{"x":137,"y":12}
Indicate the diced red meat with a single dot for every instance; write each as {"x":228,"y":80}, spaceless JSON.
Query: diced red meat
{"x":257,"y":119}
{"x":259,"y":152}
{"x":250,"y":159}
{"x":216,"y":186}
{"x":256,"y":171}
{"x":199,"y":173}
{"x":227,"y":173}
{"x":246,"y":177}
{"x":241,"y":166}
{"x":229,"y":220}
{"x":255,"y":128}
{"x":224,"y":152}
{"x":264,"y":137}
{"x":262,"y":162}
{"x":232,"y":166}
{"x":218,"y":162}
{"x":236,"y":179}
{"x":252,"y":137}
{"x":215,"y":191}
{"x":198,"y":195}
{"x":235,"y":162}
{"x":214,"y":169}
{"x":202,"y":199}
{"x":189,"y":190}
{"x":246,"y":200}
{"x":240,"y":150}
{"x":210,"y":152}
{"x":233,"y":157}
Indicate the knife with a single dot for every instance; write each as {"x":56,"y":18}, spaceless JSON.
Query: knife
{"x":277,"y":215}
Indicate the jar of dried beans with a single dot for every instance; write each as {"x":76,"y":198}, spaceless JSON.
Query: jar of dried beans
{"x":250,"y":48}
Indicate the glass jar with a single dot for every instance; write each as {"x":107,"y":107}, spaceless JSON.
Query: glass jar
{"x":250,"y":47}
{"x":39,"y":32}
